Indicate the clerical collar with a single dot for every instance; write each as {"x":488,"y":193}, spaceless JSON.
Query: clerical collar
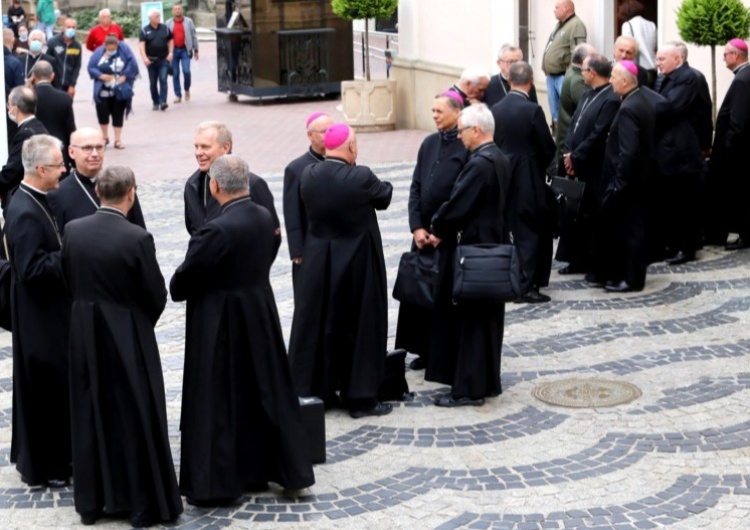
{"x":83,"y":178}
{"x":740,"y":68}
{"x":111,"y":210}
{"x":231,"y":203}
{"x":449,"y":136}
{"x":25,"y":120}
{"x":32,"y":188}
{"x":483,"y":146}
{"x":626,"y":96}
{"x":316,"y":156}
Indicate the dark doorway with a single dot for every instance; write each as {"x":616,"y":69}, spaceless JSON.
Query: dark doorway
{"x":650,"y":12}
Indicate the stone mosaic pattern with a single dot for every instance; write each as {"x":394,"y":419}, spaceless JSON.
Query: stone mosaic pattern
{"x":677,"y":457}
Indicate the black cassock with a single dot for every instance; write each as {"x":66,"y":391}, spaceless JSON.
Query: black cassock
{"x":241,"y":424}
{"x":295,"y":218}
{"x":340,"y":326}
{"x":121,"y":455}
{"x":441,"y":158}
{"x":40,"y":312}
{"x":521,"y":132}
{"x":498,"y":88}
{"x":12,"y":172}
{"x":468,"y":338}
{"x":201,"y":207}
{"x":76,"y":198}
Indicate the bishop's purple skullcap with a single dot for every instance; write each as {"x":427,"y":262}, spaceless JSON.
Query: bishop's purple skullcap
{"x":739,"y":44}
{"x":336,"y":135}
{"x":630,"y":66}
{"x":453,"y":95}
{"x":314,"y":116}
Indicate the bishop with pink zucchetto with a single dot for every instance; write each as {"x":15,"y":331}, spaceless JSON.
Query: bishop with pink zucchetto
{"x":340,"y":328}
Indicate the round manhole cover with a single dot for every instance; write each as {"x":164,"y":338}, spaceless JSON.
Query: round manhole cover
{"x":586,"y":393}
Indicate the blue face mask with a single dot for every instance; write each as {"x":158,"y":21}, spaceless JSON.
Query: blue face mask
{"x":35,"y":46}
{"x":110,"y":53}
{"x":70,"y":33}
{"x":23,"y":37}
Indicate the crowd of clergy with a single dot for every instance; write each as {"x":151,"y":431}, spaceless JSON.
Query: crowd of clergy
{"x":87,"y":291}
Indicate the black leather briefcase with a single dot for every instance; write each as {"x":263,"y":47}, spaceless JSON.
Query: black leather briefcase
{"x":314,"y":422}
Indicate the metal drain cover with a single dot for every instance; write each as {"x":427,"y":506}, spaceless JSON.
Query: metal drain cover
{"x":586,"y":393}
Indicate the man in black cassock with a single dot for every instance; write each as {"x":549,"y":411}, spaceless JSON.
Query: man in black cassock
{"x":583,"y":157}
{"x":122,"y":463}
{"x":295,"y":218}
{"x":338,"y":342}
{"x":241,"y":423}
{"x":213,"y":139}
{"x":522,"y":134}
{"x":468,"y":338}
{"x":40,"y":446}
{"x":619,"y":258}
{"x":76,"y":196}
{"x":499,"y":86}
{"x":441,"y":158}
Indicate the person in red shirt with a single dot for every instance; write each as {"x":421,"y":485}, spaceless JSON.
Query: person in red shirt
{"x":98,"y":33}
{"x":185,"y":41}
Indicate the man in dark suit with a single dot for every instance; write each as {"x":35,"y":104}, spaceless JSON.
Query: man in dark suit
{"x":522,"y":134}
{"x":583,"y":157}
{"x":13,"y":75}
{"x":117,"y":390}
{"x":295,"y":218}
{"x":241,"y":424}
{"x":688,"y":116}
{"x":499,"y":85}
{"x":76,"y":196}
{"x":340,"y":327}
{"x":21,"y":109}
{"x":728,"y":184}
{"x":213,"y":139}
{"x":40,"y":447}
{"x":620,"y":249}
{"x":54,"y":108}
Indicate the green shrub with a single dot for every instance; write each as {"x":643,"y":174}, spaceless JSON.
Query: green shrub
{"x":129,"y":21}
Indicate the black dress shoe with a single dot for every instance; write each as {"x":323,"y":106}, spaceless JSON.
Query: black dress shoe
{"x":621,"y":287}
{"x":570,"y":269}
{"x":379,"y":409}
{"x":142,"y":519}
{"x":417,"y":364}
{"x":448,"y":400}
{"x":594,"y":284}
{"x":681,"y":257}
{"x":90,"y":518}
{"x":737,"y":244}
{"x":533,"y":297}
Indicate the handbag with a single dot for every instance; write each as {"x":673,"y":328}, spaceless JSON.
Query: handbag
{"x":416,"y":281}
{"x":123,"y":91}
{"x":486,"y":273}
{"x":568,"y":194}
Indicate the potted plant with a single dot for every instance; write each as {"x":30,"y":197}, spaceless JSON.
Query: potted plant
{"x":712,"y":23}
{"x":368,"y":105}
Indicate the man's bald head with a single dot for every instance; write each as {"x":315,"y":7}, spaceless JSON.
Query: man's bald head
{"x":42,"y":72}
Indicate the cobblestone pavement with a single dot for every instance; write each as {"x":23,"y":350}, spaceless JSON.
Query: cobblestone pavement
{"x":677,"y":457}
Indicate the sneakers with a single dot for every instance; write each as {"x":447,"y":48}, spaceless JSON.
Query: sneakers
{"x":178,"y":100}
{"x":163,"y":106}
{"x":155,"y":107}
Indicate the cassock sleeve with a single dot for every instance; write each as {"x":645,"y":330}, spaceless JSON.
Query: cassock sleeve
{"x":545,"y":148}
{"x":379,"y":191}
{"x":153,"y":291}
{"x":205,"y":251}
{"x":628,"y":150}
{"x":135,"y":215}
{"x":293,"y":212}
{"x":739,"y":117}
{"x":12,"y":172}
{"x":415,"y":194}
{"x":450,"y":217}
{"x":33,"y":264}
{"x":601,"y":128}
{"x":261,"y":195}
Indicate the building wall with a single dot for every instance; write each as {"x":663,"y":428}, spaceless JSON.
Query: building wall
{"x":438,"y":38}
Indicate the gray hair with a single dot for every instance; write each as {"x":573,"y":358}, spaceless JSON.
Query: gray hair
{"x":153,"y":11}
{"x":478,"y":116}
{"x":580,"y":52}
{"x":473,"y":74}
{"x":231,"y":174}
{"x":600,"y":65}
{"x":105,"y":11}
{"x":24,"y":98}
{"x":38,"y":33}
{"x":520,"y":73}
{"x":42,"y":70}
{"x":680,"y":47}
{"x":223,"y":134}
{"x":508,"y":48}
{"x":627,"y":38}
{"x":38,"y":150}
{"x":114,"y":183}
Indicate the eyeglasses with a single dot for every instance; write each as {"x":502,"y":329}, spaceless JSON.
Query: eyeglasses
{"x":585,"y":69}
{"x":509,"y":61}
{"x":61,"y":165}
{"x":730,"y":53}
{"x":462,"y":129}
{"x":89,"y":148}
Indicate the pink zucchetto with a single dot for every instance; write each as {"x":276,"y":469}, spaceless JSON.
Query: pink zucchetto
{"x":314,"y":116}
{"x":630,"y":66}
{"x":336,"y":135}
{"x":453,"y":95}
{"x":739,"y":44}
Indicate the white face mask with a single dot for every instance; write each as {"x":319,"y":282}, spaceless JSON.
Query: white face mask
{"x":35,"y":46}
{"x":23,"y":37}
{"x":70,"y":33}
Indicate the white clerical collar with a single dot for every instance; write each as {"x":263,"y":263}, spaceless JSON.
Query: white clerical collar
{"x":26,"y":184}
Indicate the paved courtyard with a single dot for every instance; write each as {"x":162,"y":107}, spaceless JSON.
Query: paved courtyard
{"x":677,"y":456}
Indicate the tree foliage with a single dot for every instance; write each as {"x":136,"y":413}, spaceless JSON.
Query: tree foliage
{"x":363,"y":9}
{"x":713,"y":22}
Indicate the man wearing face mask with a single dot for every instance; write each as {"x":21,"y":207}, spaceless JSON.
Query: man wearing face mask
{"x":67,"y":50}
{"x":37,"y":43}
{"x":21,"y":109}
